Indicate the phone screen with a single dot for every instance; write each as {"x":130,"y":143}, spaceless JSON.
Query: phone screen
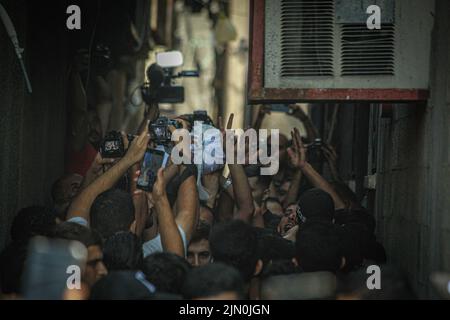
{"x":153,"y":160}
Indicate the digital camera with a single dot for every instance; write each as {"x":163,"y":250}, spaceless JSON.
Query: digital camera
{"x":202,"y":115}
{"x":160,"y":132}
{"x":113,"y":145}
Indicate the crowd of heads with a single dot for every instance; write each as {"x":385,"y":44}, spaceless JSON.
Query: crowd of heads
{"x":293,"y":235}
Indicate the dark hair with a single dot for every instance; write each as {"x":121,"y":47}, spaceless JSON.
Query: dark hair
{"x":57,"y":189}
{"x":273,"y":247}
{"x":74,"y":231}
{"x":279,"y":267}
{"x":212,"y":279}
{"x":201,"y":232}
{"x":235,"y":243}
{"x":166,"y":271}
{"x":317,"y":247}
{"x":32,"y":221}
{"x":123,"y":251}
{"x":346,"y":194}
{"x":112,"y":211}
{"x":12,"y":262}
{"x":316,"y":204}
{"x":122,"y":285}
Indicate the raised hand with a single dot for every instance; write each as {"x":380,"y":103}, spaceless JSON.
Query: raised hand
{"x":159,"y":188}
{"x":297,"y":153}
{"x":223,"y":131}
{"x":329,"y":153}
{"x":138,"y":147}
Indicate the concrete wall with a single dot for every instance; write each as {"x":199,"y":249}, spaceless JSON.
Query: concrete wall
{"x":412,"y":197}
{"x":32,"y":127}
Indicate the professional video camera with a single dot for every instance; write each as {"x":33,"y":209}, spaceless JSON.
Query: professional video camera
{"x":160,"y":88}
{"x":113,"y":145}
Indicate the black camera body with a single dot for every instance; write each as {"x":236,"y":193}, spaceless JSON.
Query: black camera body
{"x":161,"y":88}
{"x":202,"y":115}
{"x":113,"y":145}
{"x":160,"y":132}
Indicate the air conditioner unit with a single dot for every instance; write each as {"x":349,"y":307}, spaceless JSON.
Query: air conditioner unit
{"x":324,"y":50}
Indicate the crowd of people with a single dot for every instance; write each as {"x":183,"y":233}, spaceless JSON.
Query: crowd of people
{"x":227,"y":234}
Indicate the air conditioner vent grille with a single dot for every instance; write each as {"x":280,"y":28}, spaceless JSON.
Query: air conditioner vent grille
{"x":307,"y":37}
{"x":367,"y":52}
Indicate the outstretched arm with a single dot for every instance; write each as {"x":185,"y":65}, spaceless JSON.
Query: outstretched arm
{"x":187,"y":206}
{"x":297,"y":155}
{"x":241,"y":188}
{"x":170,"y":235}
{"x":242,"y":193}
{"x":311,"y":131}
{"x":81,"y":205}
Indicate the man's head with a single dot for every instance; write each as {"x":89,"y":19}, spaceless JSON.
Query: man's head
{"x":272,"y":247}
{"x":236,"y":243}
{"x":166,"y":271}
{"x":111,"y":212}
{"x":198,"y":252}
{"x":214,"y":281}
{"x":123,"y":285}
{"x":289,"y":219}
{"x":258,"y":184}
{"x":63,"y":191}
{"x":95,"y":269}
{"x":317,"y":247}
{"x":315,"y":205}
{"x":123,"y":251}
{"x":32,"y":221}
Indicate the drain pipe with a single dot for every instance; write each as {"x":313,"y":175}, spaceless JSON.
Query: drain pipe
{"x":15,"y":41}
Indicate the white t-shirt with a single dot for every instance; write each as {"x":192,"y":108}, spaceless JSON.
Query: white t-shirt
{"x":152,"y":246}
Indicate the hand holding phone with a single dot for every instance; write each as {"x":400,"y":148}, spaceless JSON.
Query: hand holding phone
{"x":153,"y":160}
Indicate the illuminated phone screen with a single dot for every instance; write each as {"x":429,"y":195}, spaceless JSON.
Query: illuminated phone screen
{"x":153,"y":160}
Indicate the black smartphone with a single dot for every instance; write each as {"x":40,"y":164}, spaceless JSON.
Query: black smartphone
{"x":52,"y":267}
{"x":153,"y":160}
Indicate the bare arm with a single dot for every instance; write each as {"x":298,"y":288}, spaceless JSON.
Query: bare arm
{"x":95,"y":170}
{"x":331,"y":156}
{"x":241,"y":188}
{"x":319,"y":182}
{"x":81,"y":205}
{"x":225,"y":206}
{"x":297,"y":156}
{"x":150,"y":114}
{"x":170,"y":235}
{"x":258,"y":219}
{"x":242,"y":193}
{"x":311,"y":131}
{"x":293,"y":189}
{"x":187,"y":206}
